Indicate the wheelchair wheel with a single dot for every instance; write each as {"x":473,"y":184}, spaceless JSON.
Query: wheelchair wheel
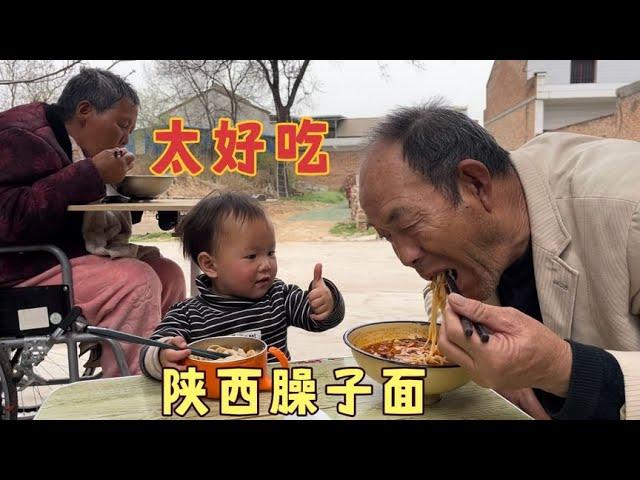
{"x":8,"y":393}
{"x":31,"y":396}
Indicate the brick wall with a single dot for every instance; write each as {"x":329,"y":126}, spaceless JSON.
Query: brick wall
{"x":506,"y":87}
{"x":342,"y":164}
{"x":623,"y":123}
{"x":514,"y":129}
{"x":509,"y":89}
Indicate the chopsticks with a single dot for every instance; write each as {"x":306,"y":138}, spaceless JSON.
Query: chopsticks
{"x":127,"y":337}
{"x":467,"y":325}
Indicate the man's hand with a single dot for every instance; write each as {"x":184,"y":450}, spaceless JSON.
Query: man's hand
{"x":320,"y":297}
{"x":527,"y":401}
{"x":175,"y":358}
{"x":113,"y":164}
{"x":521,"y":351}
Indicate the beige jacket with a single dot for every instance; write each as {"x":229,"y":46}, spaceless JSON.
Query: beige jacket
{"x":583,"y":196}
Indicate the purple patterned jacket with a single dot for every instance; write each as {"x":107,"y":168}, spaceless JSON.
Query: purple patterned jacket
{"x":38,"y":182}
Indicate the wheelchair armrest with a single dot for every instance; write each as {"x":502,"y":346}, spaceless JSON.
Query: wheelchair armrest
{"x":62,"y":258}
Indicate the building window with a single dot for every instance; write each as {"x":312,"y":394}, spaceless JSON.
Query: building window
{"x":583,"y":71}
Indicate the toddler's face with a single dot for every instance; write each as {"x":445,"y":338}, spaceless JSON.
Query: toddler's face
{"x":245,"y":260}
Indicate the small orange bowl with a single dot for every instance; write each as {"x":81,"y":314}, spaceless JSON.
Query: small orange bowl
{"x":259,"y":360}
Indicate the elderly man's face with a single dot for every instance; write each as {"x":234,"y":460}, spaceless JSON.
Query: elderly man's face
{"x":108,"y":129}
{"x":427,"y":232}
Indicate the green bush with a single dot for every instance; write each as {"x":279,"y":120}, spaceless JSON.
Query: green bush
{"x":349,"y":229}
{"x":329,"y":196}
{"x":154,"y":237}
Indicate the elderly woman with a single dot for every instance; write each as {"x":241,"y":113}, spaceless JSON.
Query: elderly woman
{"x":52,"y":156}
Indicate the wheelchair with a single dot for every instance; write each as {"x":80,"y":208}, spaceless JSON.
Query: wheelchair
{"x":33,"y":321}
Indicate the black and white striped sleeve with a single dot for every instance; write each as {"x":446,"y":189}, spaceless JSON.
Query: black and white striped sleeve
{"x":175,"y":323}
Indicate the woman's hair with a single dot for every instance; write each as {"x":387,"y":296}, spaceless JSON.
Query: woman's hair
{"x":101,"y":88}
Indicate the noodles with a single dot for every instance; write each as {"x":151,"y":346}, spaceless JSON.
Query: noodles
{"x":417,"y":350}
{"x":438,"y":299}
{"x":234,"y":353}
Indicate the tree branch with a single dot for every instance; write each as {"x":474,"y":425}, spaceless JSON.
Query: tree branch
{"x":296,"y":84}
{"x":42,"y":77}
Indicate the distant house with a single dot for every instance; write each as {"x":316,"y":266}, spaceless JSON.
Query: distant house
{"x":528,"y":97}
{"x":219,"y":103}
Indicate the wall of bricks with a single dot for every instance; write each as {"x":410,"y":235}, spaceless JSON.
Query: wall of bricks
{"x":623,"y":123}
{"x":507,"y":88}
{"x":342,"y":164}
{"x":514,"y":129}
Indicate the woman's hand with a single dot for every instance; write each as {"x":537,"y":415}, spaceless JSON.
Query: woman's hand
{"x":113,"y":164}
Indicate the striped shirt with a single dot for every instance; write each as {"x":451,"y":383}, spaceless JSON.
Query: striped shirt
{"x":267,"y":318}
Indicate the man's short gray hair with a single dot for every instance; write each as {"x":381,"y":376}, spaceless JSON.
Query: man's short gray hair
{"x":435,"y":138}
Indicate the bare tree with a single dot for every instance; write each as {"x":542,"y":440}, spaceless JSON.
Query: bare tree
{"x":24,"y":81}
{"x":384,"y":67}
{"x":218,"y":86}
{"x":192,"y":78}
{"x":242,"y":81}
{"x":284,"y":78}
{"x":157,"y":97}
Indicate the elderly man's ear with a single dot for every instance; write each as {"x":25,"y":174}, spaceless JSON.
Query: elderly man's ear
{"x":474,"y":181}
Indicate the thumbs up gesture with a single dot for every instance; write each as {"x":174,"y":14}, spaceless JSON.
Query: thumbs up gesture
{"x":320,"y":297}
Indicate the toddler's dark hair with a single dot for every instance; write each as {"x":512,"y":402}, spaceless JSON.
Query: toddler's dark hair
{"x":200,"y":230}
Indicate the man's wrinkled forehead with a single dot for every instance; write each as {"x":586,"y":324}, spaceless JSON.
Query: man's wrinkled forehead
{"x":381,"y":153}
{"x":385,"y":167}
{"x":380,"y":163}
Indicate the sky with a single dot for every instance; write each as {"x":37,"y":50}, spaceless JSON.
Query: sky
{"x":369,"y":88}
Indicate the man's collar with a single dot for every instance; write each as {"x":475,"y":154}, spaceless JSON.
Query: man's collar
{"x":547,"y":229}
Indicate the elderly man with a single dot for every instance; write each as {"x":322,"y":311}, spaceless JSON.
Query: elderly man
{"x":545,"y":242}
{"x":52,"y":156}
